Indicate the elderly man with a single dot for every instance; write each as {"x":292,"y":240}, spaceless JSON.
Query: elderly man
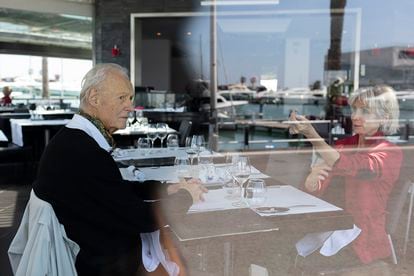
{"x":100,"y":211}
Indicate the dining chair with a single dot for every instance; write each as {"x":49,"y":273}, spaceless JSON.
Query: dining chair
{"x":16,"y":163}
{"x":184,"y":131}
{"x":396,"y":202}
{"x":403,"y":189}
{"x":41,"y":246}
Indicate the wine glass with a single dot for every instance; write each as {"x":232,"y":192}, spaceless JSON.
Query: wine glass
{"x":152,"y":133}
{"x":255,"y":194}
{"x":162,"y":130}
{"x":190,"y":149}
{"x":197,"y":143}
{"x":241,"y":172}
{"x":131,"y":118}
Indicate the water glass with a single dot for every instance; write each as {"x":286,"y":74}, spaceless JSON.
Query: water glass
{"x":230,"y":185}
{"x":172,"y":141}
{"x":182,"y":167}
{"x":207,"y":169}
{"x":255,"y":194}
{"x":144,"y":144}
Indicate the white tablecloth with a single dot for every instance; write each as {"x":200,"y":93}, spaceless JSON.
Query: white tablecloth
{"x":169,"y":174}
{"x":141,"y":130}
{"x":18,"y":124}
{"x":277,"y":196}
{"x":139,"y":154}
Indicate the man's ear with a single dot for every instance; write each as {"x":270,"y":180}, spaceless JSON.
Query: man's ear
{"x":93,"y":98}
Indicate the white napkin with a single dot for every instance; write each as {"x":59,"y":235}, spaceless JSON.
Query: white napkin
{"x":153,"y":254}
{"x":311,"y":242}
{"x":138,"y":175}
{"x":329,"y":242}
{"x":338,"y":240}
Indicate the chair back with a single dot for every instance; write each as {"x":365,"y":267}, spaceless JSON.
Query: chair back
{"x":41,"y":246}
{"x":184,"y":131}
{"x":396,"y":202}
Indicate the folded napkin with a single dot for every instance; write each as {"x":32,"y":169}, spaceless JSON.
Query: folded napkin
{"x":329,"y":242}
{"x":311,"y":242}
{"x":137,"y":174}
{"x":153,"y":254}
{"x":338,"y":240}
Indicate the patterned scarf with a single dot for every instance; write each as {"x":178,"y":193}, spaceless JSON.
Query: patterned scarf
{"x":99,"y":125}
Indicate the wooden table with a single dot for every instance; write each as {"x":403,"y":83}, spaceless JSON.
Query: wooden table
{"x":227,"y":242}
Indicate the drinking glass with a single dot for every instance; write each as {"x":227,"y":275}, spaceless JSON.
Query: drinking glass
{"x":172,"y":141}
{"x":182,"y":167}
{"x":152,"y":133}
{"x":162,"y":131}
{"x":207,"y":169}
{"x":199,"y":142}
{"x":144,"y":144}
{"x":131,"y":118}
{"x":241,"y":172}
{"x":231,"y":158}
{"x":229,"y":184}
{"x":255,"y":194}
{"x":190,"y":149}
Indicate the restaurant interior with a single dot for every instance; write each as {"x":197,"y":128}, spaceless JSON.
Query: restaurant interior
{"x":220,"y":87}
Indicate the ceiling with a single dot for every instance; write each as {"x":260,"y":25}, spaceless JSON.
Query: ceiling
{"x":35,"y":33}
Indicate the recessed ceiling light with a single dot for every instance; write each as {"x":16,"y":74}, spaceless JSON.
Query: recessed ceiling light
{"x":238,"y":2}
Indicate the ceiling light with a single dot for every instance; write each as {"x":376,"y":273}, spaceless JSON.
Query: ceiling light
{"x":238,"y":2}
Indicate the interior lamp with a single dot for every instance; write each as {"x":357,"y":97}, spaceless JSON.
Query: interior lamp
{"x":238,"y":2}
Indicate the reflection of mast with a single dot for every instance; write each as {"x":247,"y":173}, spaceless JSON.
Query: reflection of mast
{"x":213,"y":128}
{"x":226,"y":80}
{"x":337,"y":23}
{"x":201,"y":58}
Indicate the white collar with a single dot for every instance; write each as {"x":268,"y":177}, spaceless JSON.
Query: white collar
{"x":80,"y":122}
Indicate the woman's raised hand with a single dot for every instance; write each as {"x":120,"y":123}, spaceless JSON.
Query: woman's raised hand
{"x":299,"y":124}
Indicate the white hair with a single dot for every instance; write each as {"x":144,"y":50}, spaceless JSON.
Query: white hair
{"x":382,"y":101}
{"x":96,"y":76}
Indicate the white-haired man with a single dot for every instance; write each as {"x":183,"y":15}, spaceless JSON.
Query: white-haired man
{"x":100,"y":211}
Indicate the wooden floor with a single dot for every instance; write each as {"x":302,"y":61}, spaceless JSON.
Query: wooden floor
{"x":13,"y":199}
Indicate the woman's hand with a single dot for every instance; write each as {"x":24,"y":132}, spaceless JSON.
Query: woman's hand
{"x":193,"y":186}
{"x":299,"y":124}
{"x":319,"y":173}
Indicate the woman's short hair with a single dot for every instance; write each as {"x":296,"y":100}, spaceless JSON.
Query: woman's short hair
{"x":96,"y":76}
{"x":382,"y":101}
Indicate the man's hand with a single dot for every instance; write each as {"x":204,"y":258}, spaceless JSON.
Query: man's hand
{"x":193,"y":186}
